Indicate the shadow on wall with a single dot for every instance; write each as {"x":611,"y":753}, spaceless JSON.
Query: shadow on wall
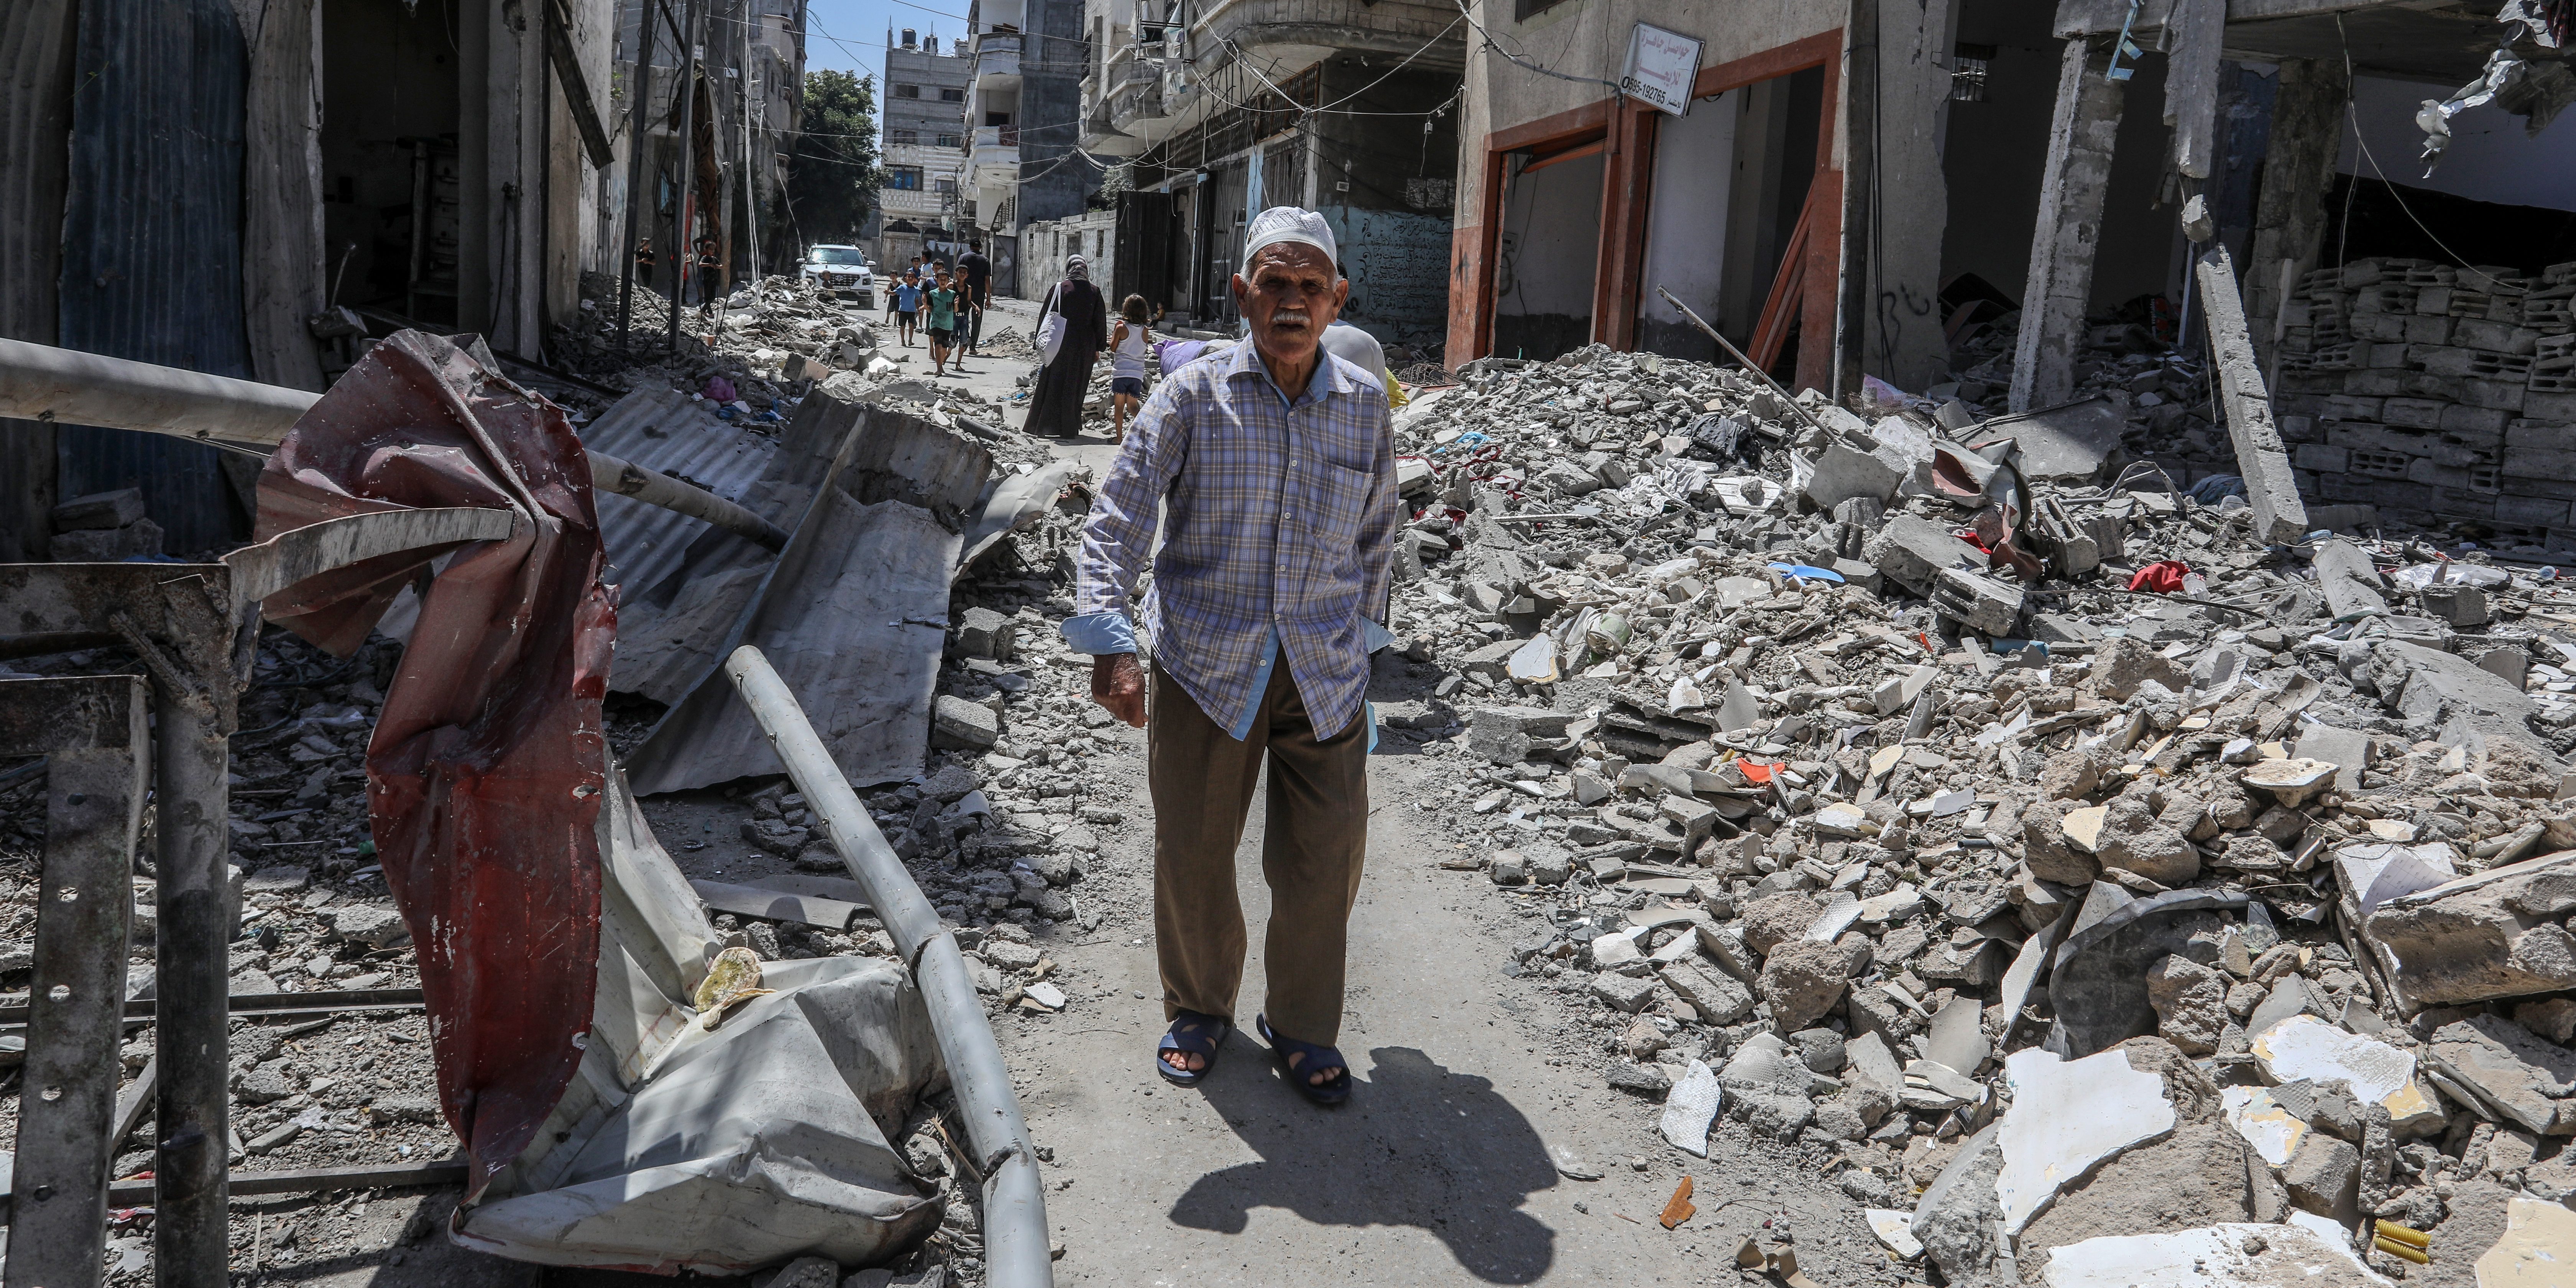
{"x":1417,"y":1120}
{"x":1540,"y":335}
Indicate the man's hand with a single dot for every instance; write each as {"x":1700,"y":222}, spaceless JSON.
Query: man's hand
{"x":1118,"y":685}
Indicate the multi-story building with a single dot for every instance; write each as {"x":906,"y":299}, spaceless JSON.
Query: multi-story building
{"x":1026,"y":164}
{"x":923,"y":107}
{"x":1346,"y":107}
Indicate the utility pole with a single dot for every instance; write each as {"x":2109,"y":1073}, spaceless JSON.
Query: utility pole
{"x":640,"y":138}
{"x":681,"y":252}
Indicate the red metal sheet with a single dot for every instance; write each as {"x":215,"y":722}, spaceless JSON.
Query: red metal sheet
{"x":485,"y":772}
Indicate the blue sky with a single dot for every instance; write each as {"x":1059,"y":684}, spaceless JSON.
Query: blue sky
{"x":849,"y":35}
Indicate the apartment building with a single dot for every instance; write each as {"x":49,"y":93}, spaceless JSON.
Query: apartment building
{"x":923,"y":110}
{"x":1026,"y":163}
{"x":1223,"y":107}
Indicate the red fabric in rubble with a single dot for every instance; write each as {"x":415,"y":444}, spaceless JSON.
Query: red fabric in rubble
{"x":484,"y":776}
{"x":2164,"y":578}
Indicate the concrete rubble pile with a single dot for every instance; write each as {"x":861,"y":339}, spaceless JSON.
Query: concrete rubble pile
{"x":770,"y":340}
{"x":1839,"y":770}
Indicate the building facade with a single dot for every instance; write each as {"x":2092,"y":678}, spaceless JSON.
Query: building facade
{"x":1026,"y":163}
{"x":1223,"y":107}
{"x":923,"y":108}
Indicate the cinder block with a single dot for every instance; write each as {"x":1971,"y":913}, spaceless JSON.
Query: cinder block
{"x":2384,"y":355}
{"x":2302,"y":428}
{"x":2494,"y":337}
{"x":2539,"y":486}
{"x":2480,"y":421}
{"x":2440,"y":359}
{"x":2550,"y":406}
{"x":2540,"y":435}
{"x":2532,"y":511}
{"x":2432,"y":473}
{"x":2378,"y":326}
{"x":2352,"y":407}
{"x":2318,"y":456}
{"x":2494,"y":395}
{"x":2385,"y":382}
{"x":2428,"y":330}
{"x":2413,"y":413}
{"x":2424,"y":384}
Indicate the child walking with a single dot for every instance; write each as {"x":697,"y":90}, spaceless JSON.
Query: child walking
{"x":1127,"y":350}
{"x":907,"y":306}
{"x":942,"y":298}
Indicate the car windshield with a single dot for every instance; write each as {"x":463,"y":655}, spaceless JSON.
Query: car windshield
{"x":837,"y":255}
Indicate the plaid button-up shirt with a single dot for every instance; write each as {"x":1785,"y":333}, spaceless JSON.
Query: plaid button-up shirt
{"x":1282,"y":520}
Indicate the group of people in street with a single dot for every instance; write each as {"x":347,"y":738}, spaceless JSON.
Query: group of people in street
{"x":944,"y":306}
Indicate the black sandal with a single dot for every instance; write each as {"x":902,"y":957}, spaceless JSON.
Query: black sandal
{"x":1192,"y":1034}
{"x":1288,"y":1052}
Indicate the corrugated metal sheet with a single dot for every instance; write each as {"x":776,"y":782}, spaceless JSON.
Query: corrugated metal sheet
{"x":662,"y":430}
{"x":35,"y":123}
{"x":152,"y":221}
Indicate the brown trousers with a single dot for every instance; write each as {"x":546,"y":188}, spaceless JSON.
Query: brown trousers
{"x":1315,"y":836}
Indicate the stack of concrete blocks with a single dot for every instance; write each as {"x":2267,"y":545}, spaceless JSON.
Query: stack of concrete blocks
{"x":2431,"y":389}
{"x":104,"y":527}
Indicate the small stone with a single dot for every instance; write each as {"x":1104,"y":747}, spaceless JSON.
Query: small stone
{"x":956,"y":724}
{"x":2191,"y":1003}
{"x":1802,"y":980}
{"x":1643,"y":1079}
{"x":2323,"y":1178}
{"x":374,"y":925}
{"x":1624,"y":993}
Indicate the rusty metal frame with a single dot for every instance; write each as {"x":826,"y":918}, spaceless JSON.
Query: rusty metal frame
{"x":91,"y":730}
{"x":195,"y":628}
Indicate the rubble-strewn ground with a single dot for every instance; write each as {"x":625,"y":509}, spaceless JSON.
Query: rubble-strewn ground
{"x":1714,"y":834}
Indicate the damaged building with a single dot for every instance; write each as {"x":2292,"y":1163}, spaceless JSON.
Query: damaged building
{"x":1214,"y":111}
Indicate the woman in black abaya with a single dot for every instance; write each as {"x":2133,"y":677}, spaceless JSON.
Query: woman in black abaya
{"x":1056,"y":406}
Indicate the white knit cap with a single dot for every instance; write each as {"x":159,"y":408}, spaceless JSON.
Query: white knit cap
{"x":1287,"y":224}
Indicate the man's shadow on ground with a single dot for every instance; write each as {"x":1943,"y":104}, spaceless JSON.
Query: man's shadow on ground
{"x":1415,"y":1145}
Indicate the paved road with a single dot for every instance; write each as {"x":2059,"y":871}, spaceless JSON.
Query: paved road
{"x":1439,"y":1171}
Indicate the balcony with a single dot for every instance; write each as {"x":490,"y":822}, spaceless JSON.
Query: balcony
{"x":1133,"y":103}
{"x":993,"y":154}
{"x":997,"y":60}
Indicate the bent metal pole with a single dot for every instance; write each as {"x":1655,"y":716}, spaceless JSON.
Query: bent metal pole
{"x":67,"y":386}
{"x":1015,"y":1228}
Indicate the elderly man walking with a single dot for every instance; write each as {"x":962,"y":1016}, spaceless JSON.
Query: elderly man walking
{"x":1276,"y":468}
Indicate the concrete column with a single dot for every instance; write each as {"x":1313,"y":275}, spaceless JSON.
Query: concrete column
{"x":2298,"y":172}
{"x":2080,"y":139}
{"x":2261,"y":459}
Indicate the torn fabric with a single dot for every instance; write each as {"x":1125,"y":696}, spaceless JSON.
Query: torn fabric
{"x":485,"y":770}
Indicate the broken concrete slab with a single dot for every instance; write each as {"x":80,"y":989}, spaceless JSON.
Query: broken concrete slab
{"x":2067,"y":1117}
{"x":2306,"y":1048}
{"x":1844,"y":473}
{"x":1689,"y":1109}
{"x":2219,"y":1256}
{"x":2538,"y":1249}
{"x":2511,"y":1072}
{"x":2350,"y":581}
{"x":2497,"y":933}
{"x":1956,"y":1218}
{"x":1912,"y":551}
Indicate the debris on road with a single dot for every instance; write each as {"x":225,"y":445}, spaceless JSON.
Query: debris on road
{"x":1841,"y":770}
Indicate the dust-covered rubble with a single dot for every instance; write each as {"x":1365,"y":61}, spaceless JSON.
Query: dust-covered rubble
{"x":1864,"y":765}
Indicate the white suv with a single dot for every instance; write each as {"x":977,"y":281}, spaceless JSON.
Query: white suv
{"x":840,"y":268}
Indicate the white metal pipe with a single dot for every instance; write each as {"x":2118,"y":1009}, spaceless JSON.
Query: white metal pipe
{"x":41,"y":382}
{"x":1016,"y":1253}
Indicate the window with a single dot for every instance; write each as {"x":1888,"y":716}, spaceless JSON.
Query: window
{"x":945,"y":184}
{"x":905,"y":177}
{"x":907,"y":91}
{"x":1524,"y":10}
{"x":1968,"y":72}
{"x":948,"y":140}
{"x":903,"y":136}
{"x":952,"y":96}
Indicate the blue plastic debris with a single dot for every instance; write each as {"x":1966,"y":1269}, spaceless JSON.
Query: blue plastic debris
{"x":1807,"y":572}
